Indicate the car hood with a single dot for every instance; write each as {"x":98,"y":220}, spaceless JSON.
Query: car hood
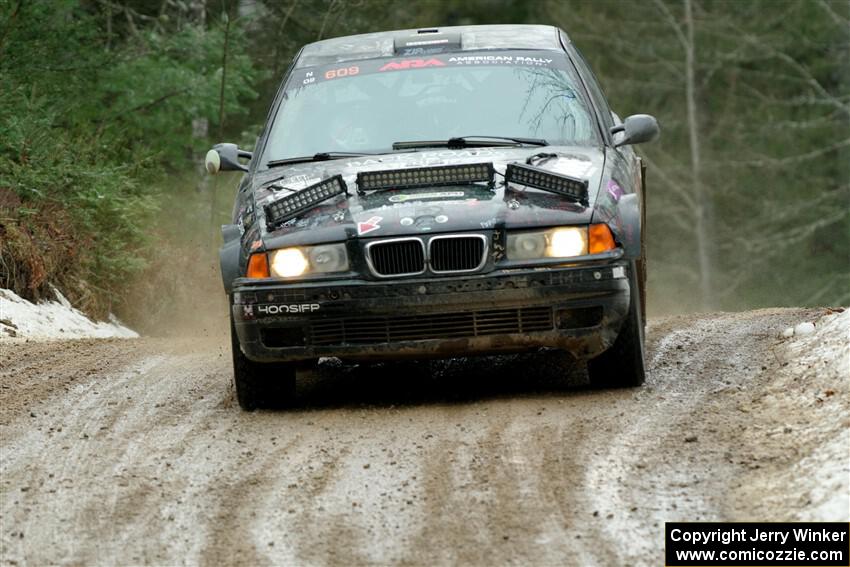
{"x":430,"y":209}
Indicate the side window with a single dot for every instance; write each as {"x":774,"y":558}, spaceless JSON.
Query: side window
{"x":593,"y":87}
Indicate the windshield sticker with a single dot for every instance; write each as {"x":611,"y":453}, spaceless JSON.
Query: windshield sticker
{"x":342,"y":72}
{"x":426,"y":42}
{"x":406,"y":221}
{"x":403,"y":198}
{"x":412,"y":64}
{"x":440,"y":219}
{"x":500,"y":60}
{"x":320,"y":74}
{"x":370,"y":225}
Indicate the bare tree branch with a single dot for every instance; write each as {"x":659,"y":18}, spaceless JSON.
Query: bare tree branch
{"x":771,"y":161}
{"x":331,"y":6}
{"x":676,"y":188}
{"x":802,"y":71}
{"x":662,"y":7}
{"x":288,"y":15}
{"x":835,"y":17}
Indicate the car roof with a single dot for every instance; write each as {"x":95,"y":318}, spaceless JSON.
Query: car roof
{"x":381,"y":44}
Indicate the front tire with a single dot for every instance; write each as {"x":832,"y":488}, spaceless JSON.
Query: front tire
{"x":260,"y":385}
{"x":623,"y":364}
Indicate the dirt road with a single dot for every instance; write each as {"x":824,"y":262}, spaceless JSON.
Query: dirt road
{"x":134,"y":451}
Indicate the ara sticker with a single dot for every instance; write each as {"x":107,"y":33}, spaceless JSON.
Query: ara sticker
{"x":369,"y":226}
{"x":411,"y":64}
{"x":441,"y":219}
{"x":406,"y":221}
{"x":438,"y":195}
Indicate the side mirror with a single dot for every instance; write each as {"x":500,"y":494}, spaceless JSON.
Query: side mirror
{"x":637,"y":128}
{"x":225,"y":157}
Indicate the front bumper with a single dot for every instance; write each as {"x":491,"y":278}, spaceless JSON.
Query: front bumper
{"x":578,"y":309}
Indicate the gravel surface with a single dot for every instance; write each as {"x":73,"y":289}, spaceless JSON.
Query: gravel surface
{"x":135,"y":452}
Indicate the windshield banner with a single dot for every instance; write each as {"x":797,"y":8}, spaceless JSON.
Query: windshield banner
{"x":312,"y":75}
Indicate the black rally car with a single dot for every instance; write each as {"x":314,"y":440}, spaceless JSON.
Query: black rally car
{"x":436,"y":193}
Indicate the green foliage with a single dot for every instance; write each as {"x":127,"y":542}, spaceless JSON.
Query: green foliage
{"x":51,"y":170}
{"x":98,"y":103}
{"x":166,"y":82}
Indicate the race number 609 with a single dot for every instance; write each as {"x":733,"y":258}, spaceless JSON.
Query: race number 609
{"x":342,"y":72}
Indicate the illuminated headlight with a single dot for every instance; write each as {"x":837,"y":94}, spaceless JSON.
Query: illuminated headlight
{"x":288,"y":263}
{"x":294,"y":262}
{"x":567,"y":242}
{"x":563,"y":242}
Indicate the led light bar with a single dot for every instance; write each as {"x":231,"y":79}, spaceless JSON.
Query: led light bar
{"x":289,"y":207}
{"x":530,"y":176}
{"x":440,"y":175}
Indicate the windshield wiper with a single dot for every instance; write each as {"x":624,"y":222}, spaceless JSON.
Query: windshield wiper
{"x":321,"y":156}
{"x":471,"y":142}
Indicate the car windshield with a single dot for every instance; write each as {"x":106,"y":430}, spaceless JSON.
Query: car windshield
{"x":366,"y":106}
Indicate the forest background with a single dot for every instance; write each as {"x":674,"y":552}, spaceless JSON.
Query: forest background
{"x":107,"y":108}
